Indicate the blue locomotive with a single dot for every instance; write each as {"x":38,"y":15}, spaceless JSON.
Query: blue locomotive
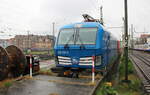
{"x":77,"y":43}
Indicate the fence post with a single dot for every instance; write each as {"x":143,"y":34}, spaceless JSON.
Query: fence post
{"x":93,"y":69}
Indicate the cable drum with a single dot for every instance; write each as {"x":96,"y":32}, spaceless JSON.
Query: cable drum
{"x":17,"y":61}
{"x":4,"y":61}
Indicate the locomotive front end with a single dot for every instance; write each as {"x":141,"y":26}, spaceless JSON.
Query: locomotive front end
{"x":76,"y":44}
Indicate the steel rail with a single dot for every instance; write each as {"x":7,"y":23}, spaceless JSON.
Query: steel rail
{"x":140,"y":71}
{"x":142,"y":58}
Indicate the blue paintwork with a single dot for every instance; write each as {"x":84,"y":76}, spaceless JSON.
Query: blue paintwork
{"x":102,"y":48}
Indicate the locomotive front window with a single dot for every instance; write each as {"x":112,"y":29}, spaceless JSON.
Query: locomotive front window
{"x":86,"y":36}
{"x":66,"y":36}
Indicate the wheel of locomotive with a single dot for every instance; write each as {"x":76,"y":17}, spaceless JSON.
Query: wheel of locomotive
{"x":4,"y":60}
{"x":17,"y":61}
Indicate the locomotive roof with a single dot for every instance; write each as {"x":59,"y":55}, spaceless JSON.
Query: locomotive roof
{"x":87,"y":24}
{"x":83,"y":24}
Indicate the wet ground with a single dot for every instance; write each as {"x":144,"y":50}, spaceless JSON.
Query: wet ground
{"x":47,"y":64}
{"x":49,"y":85}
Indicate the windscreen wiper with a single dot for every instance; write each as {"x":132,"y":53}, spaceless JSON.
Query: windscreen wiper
{"x":66,"y":45}
{"x":82,"y":44}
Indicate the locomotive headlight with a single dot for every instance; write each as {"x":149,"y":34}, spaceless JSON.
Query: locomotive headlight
{"x":98,"y":60}
{"x":56,"y":59}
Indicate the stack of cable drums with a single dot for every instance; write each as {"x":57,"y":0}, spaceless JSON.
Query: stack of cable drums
{"x":4,"y":61}
{"x":12,"y":62}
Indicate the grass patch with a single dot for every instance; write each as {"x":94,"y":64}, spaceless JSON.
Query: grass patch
{"x":8,"y":84}
{"x":39,"y":52}
{"x":120,"y":88}
{"x":122,"y":67}
{"x":106,"y":89}
{"x":133,"y":88}
{"x":50,"y":52}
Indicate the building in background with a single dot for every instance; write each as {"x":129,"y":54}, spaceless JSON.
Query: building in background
{"x":143,"y":39}
{"x":34,"y":42}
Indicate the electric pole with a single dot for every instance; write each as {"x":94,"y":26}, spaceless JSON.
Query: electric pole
{"x":53,"y":33}
{"x":101,"y":15}
{"x":28,"y":44}
{"x":53,"y":29}
{"x":28,"y":38}
{"x":126,"y":40}
{"x":132,"y":44}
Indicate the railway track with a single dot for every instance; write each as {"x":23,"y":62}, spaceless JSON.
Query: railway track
{"x":144,"y":56}
{"x":142,"y":65}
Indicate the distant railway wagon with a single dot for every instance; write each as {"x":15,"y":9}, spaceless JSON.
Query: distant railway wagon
{"x":14,"y":63}
{"x":77,"y":43}
{"x":142,"y":47}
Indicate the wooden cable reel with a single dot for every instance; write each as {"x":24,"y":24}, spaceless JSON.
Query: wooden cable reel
{"x":17,"y":61}
{"x":4,"y":61}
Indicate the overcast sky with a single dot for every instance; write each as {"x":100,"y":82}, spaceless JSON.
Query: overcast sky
{"x":18,"y":16}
